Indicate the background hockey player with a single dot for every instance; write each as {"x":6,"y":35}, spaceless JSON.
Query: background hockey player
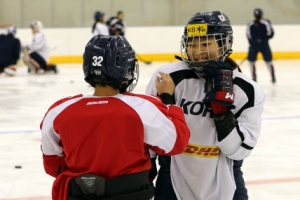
{"x":116,"y":24}
{"x":107,"y":136}
{"x":99,"y":27}
{"x":259,"y":31}
{"x":222,"y":108}
{"x":10,"y":49}
{"x":36,"y":55}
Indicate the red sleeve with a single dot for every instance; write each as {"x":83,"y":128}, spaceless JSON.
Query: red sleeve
{"x":52,"y":164}
{"x":58,"y":103}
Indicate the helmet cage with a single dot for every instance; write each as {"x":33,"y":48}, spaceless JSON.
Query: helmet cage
{"x":202,"y":28}
{"x":203,"y":53}
{"x":223,"y":48}
{"x":131,"y":77}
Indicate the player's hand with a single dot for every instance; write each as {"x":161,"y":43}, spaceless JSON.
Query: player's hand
{"x":219,"y":83}
{"x":165,"y":84}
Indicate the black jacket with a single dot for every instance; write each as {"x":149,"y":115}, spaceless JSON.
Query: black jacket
{"x":10,"y":48}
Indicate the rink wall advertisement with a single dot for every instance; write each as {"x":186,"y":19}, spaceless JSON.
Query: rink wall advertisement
{"x":158,"y":43}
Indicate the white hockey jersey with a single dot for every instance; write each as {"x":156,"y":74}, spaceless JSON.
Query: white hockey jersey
{"x":100,"y":29}
{"x":40,"y":45}
{"x":204,"y":171}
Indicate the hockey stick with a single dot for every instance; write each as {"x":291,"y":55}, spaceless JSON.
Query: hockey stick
{"x":140,"y":59}
{"x":242,"y":61}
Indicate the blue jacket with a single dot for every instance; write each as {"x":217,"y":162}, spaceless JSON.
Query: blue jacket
{"x":260,"y":31}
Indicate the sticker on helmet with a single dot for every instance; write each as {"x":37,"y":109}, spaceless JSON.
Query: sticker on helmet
{"x":196,"y":29}
{"x":221,"y":17}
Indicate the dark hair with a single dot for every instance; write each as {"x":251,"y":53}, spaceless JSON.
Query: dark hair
{"x":94,"y":26}
{"x":112,"y":83}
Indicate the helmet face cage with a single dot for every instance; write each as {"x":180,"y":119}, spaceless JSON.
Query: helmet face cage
{"x":207,"y":37}
{"x":196,"y":49}
{"x":132,"y":75}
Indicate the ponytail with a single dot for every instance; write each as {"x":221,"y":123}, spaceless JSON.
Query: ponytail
{"x":94,"y":26}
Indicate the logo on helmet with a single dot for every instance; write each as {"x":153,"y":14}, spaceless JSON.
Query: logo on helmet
{"x":196,"y":29}
{"x":222,"y":18}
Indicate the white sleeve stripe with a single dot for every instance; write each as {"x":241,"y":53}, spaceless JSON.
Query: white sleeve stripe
{"x":248,"y":30}
{"x":159,"y":130}
{"x":268,"y":26}
{"x":246,"y":146}
{"x":50,"y":139}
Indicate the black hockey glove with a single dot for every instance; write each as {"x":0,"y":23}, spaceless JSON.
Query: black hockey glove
{"x":225,"y":123}
{"x":219,"y":85}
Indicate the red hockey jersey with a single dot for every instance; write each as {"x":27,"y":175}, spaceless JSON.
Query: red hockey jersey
{"x":108,"y":136}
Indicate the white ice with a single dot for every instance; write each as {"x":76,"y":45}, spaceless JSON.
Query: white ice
{"x":271,"y":172}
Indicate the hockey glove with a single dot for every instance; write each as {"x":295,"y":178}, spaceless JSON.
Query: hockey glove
{"x":219,"y":85}
{"x":225,"y":123}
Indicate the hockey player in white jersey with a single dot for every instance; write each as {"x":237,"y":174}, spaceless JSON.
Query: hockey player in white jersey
{"x":223,"y":110}
{"x":99,"y":27}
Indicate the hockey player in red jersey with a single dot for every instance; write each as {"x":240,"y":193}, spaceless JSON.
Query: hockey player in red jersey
{"x":223,"y":110}
{"x":98,"y":146}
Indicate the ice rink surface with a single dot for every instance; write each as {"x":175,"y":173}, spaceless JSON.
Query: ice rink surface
{"x":271,"y":172}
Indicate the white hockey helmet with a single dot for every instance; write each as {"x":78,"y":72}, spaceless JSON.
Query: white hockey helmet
{"x":12,"y":30}
{"x":36,"y":25}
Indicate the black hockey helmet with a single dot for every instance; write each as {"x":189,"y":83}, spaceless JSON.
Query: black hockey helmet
{"x":207,"y":24}
{"x":215,"y":22}
{"x":98,"y":15}
{"x":258,"y":13}
{"x":110,"y":58}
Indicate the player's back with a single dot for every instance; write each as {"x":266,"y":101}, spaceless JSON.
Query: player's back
{"x":260,"y":31}
{"x":117,"y":129}
{"x":9,"y":49}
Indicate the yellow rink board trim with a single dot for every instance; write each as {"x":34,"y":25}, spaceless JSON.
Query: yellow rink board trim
{"x":170,"y":57}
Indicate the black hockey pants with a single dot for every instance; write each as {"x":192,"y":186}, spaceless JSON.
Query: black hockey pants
{"x":127,"y":187}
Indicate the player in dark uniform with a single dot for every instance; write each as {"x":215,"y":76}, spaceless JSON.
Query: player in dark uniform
{"x":116,"y":24}
{"x":259,"y":31}
{"x":10,"y":48}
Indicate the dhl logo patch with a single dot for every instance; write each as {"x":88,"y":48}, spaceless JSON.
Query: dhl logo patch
{"x":202,"y":151}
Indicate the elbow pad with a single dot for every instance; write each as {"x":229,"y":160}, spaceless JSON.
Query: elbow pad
{"x":225,"y":123}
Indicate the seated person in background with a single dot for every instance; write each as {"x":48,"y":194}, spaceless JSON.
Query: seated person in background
{"x":10,"y":48}
{"x":36,"y":55}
